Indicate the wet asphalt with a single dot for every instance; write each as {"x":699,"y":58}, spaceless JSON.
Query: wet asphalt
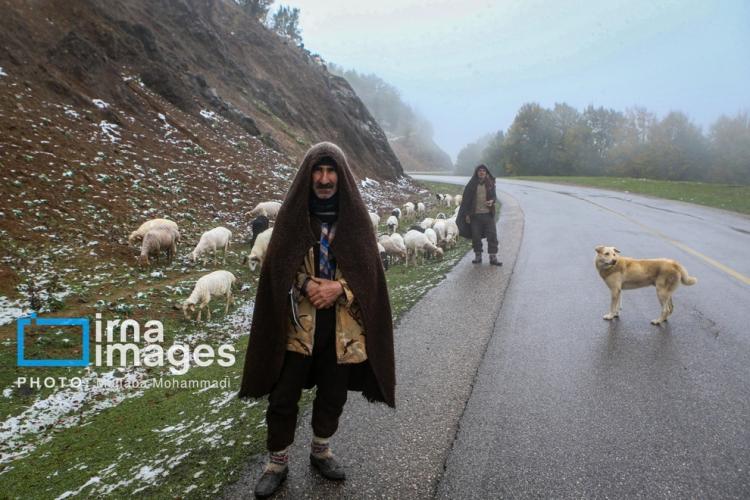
{"x":511,"y":385}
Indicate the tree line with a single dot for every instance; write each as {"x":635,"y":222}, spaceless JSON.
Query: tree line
{"x":598,"y":141}
{"x":284,"y":21}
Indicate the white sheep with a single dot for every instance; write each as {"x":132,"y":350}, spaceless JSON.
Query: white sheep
{"x":440,"y":229}
{"x":375,"y":220}
{"x":138,"y":234}
{"x":398,"y":240}
{"x":258,"y":252}
{"x":156,"y":240}
{"x":420,"y":208}
{"x":448,"y":200}
{"x":396,"y":212}
{"x":458,"y":199}
{"x":393,"y":246}
{"x":451,"y":232}
{"x":428,"y":222}
{"x":432,"y":236}
{"x":217,"y":283}
{"x":214,"y":239}
{"x":417,"y":244}
{"x":268,"y":209}
{"x":409,"y":208}
{"x":392,"y":224}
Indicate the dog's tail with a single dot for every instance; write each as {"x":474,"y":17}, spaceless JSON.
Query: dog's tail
{"x":686,"y":278}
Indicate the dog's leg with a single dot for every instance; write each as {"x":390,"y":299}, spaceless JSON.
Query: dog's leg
{"x":614,"y":305}
{"x":665,"y":297}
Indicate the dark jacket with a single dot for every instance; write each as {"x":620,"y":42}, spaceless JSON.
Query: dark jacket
{"x":356,"y":256}
{"x":469,"y":201}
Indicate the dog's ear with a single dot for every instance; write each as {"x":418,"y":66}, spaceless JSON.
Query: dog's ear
{"x":616,"y":250}
{"x":599,"y":249}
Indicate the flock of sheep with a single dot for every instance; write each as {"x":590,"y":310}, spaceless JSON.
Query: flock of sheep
{"x":427,"y":238}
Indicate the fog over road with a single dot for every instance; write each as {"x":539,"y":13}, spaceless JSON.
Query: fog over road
{"x":511,"y":385}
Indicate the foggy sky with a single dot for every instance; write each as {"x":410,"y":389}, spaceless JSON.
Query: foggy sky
{"x":468,"y":66}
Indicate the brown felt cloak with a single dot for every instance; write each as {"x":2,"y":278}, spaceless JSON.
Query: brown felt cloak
{"x":357,"y":257}
{"x":469,"y":200}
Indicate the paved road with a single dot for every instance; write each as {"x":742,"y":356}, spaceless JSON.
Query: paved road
{"x":568,"y":405}
{"x":512,"y":386}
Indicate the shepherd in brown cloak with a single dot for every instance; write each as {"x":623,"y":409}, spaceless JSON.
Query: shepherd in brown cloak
{"x":293,"y":344}
{"x":476,"y":215}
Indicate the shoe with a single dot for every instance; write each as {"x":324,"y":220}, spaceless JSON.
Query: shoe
{"x":477,"y":259}
{"x":269,"y":482}
{"x":329,"y":468}
{"x":495,"y":262}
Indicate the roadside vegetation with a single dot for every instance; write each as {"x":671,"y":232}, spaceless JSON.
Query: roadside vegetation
{"x":161,"y":441}
{"x":724,"y":196}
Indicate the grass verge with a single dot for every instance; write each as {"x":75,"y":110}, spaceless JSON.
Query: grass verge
{"x":725,"y":196}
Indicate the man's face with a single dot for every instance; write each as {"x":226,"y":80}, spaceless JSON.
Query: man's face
{"x":481,"y":173}
{"x":324,"y":181}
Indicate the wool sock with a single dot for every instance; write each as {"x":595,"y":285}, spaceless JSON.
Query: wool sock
{"x":277,"y":460}
{"x":320,"y":447}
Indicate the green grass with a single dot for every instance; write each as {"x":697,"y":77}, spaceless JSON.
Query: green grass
{"x":196,"y":441}
{"x":725,"y":196}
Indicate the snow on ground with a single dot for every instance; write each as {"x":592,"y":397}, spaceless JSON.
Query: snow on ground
{"x":100,"y":104}
{"x":2,"y":73}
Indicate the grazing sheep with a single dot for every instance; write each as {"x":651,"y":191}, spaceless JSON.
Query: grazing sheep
{"x":448,"y":200}
{"x":440,"y":215}
{"x":420,"y":208}
{"x":383,"y":256}
{"x":451,"y":232}
{"x":217,"y":283}
{"x":431,"y":235}
{"x":439,"y":196}
{"x":398,"y":240}
{"x":396,"y":212}
{"x":392,"y":247}
{"x":440,"y":228}
{"x":416,"y":227}
{"x":159,"y":239}
{"x":268,"y":209}
{"x":138,"y":234}
{"x":417,"y":244}
{"x":392,"y":224}
{"x":375,"y":220}
{"x":216,"y":238}
{"x":257,"y":226}
{"x":458,"y":199}
{"x":428,"y":222}
{"x":258,"y":252}
{"x":409,"y":208}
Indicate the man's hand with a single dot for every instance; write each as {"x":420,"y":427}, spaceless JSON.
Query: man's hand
{"x":468,"y":219}
{"x":323,"y":293}
{"x":489,"y":202}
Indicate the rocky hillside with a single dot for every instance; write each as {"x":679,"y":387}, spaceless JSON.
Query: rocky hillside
{"x":115,"y":112}
{"x":421,"y":154}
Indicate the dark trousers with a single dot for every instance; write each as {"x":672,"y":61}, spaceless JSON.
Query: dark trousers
{"x":330,"y":378}
{"x":483,"y":226}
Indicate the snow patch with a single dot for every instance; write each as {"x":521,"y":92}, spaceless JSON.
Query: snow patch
{"x":100,"y":104}
{"x":208,"y":115}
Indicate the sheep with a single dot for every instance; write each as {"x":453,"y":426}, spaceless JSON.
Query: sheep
{"x":417,"y":244}
{"x":375,"y":220}
{"x":428,"y":222}
{"x":258,"y":252}
{"x":440,"y":228}
{"x":432,"y":236}
{"x":396,"y":212}
{"x":383,"y":256}
{"x":138,"y":234}
{"x":156,"y":240}
{"x":398,"y":240}
{"x":409,"y":208}
{"x":440,"y":215}
{"x":268,"y":209}
{"x":451,"y":232}
{"x":257,"y":226}
{"x":216,"y":283}
{"x":458,"y":199}
{"x":392,"y":247}
{"x":416,"y":227}
{"x":439,"y":196}
{"x":216,"y":238}
{"x":448,"y":200}
{"x":392,"y":224}
{"x":420,"y":208}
